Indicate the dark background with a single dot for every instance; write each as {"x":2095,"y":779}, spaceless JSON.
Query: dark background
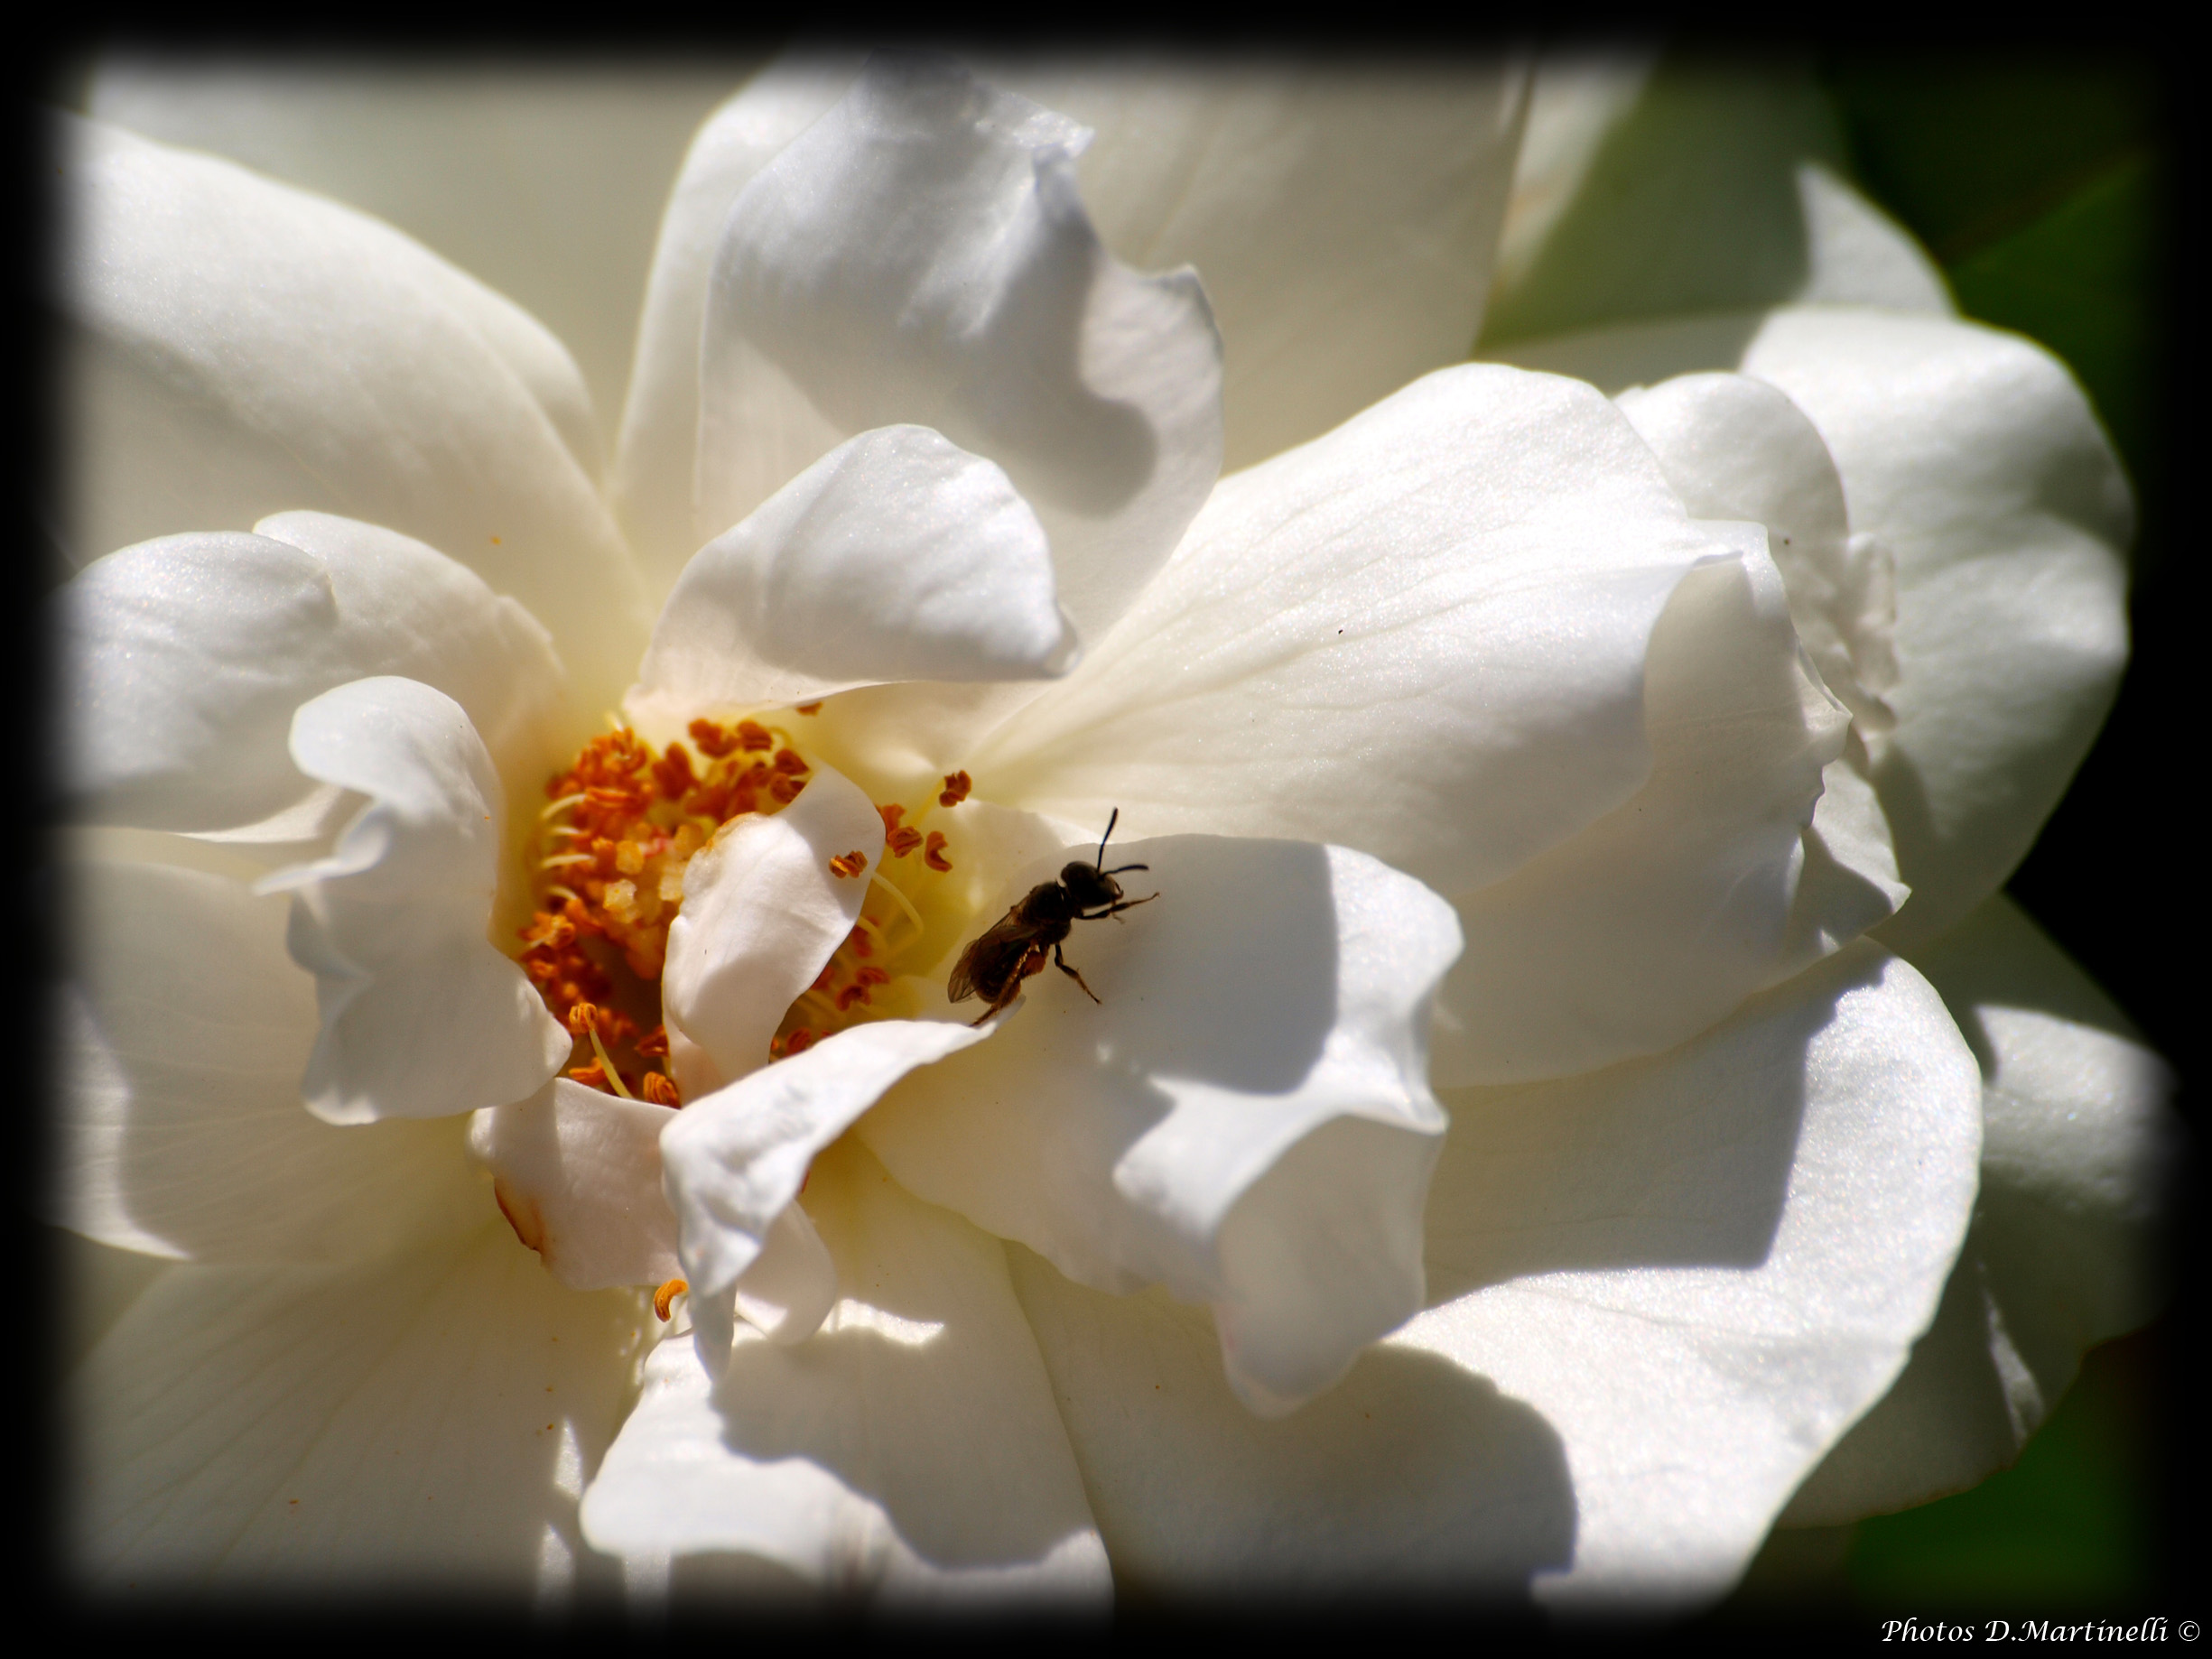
{"x":2059,"y":191}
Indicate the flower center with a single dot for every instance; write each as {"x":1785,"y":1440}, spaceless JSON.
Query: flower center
{"x":606,"y":865}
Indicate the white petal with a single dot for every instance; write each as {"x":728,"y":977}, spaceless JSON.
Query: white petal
{"x":1701,"y":1268}
{"x":1975,"y":457}
{"x":1972,"y":456}
{"x":650,"y":481}
{"x":909,"y":1451}
{"x":920,"y":254}
{"x":421,"y":1017}
{"x":2080,"y":1152}
{"x":736,"y":1159}
{"x":241,"y":347}
{"x":1422,"y":635}
{"x":1411,"y":1477}
{"x":544,"y":182}
{"x":1655,"y":921}
{"x":790,"y":1288}
{"x":577,"y":1173}
{"x":186,"y":657}
{"x":1736,"y":448}
{"x":762,"y":912}
{"x":1662,"y":1290}
{"x":184,"y":1033}
{"x":896,"y":556}
{"x":425,"y":1422}
{"x":1699,"y":188}
{"x":1342,"y":216}
{"x":1243,"y":1115}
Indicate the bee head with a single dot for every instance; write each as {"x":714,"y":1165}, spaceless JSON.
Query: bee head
{"x":1088,"y":886}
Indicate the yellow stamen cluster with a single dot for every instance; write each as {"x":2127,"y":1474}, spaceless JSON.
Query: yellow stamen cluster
{"x":607,"y":870}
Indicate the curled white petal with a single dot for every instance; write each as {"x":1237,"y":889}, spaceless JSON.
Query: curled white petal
{"x":1735,"y":447}
{"x":1422,"y":635}
{"x":1244,"y":1114}
{"x":186,"y":657}
{"x":910,"y":1451}
{"x":920,"y":253}
{"x":184,"y":1031}
{"x":896,"y":556}
{"x":577,"y":1173}
{"x":1658,"y":1292}
{"x":762,"y":912}
{"x":238,"y":347}
{"x":1342,"y":215}
{"x":735,"y":1161}
{"x":1655,"y":921}
{"x":421,"y":1016}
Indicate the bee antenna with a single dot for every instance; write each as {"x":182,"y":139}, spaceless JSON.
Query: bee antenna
{"x":1110,"y":822}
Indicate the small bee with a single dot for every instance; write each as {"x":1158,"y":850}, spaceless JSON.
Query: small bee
{"x":994,"y":965}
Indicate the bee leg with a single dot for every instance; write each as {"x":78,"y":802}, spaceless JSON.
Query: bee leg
{"x":1061,"y":963}
{"x":1115,"y":910}
{"x":997,"y":1007}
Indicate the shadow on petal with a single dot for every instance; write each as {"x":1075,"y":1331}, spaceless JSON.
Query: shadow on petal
{"x":1412,"y":1475}
{"x":1619,"y":1168}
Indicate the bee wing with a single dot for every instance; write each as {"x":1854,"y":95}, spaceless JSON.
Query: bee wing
{"x":989,"y":958}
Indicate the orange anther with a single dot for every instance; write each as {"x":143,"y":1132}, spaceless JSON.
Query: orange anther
{"x":956,"y":787}
{"x":654,"y":1044}
{"x":871,"y":975}
{"x":714,"y":741}
{"x":903,"y":841}
{"x":890,"y":815}
{"x":672,"y":771}
{"x":584,"y":1018}
{"x":932,"y":852}
{"x":754,"y":736}
{"x":666,"y":1295}
{"x":846,"y":866}
{"x":789,"y":763}
{"x":859,"y":941}
{"x":822,"y":980}
{"x":662,"y":1091}
{"x":602,"y":794}
{"x":786,"y":790}
{"x":798,"y":1043}
{"x":592,"y":1076}
{"x":541,"y":970}
{"x":851,"y":995}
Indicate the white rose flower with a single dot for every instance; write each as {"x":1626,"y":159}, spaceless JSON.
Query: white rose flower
{"x":1166,"y":1270}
